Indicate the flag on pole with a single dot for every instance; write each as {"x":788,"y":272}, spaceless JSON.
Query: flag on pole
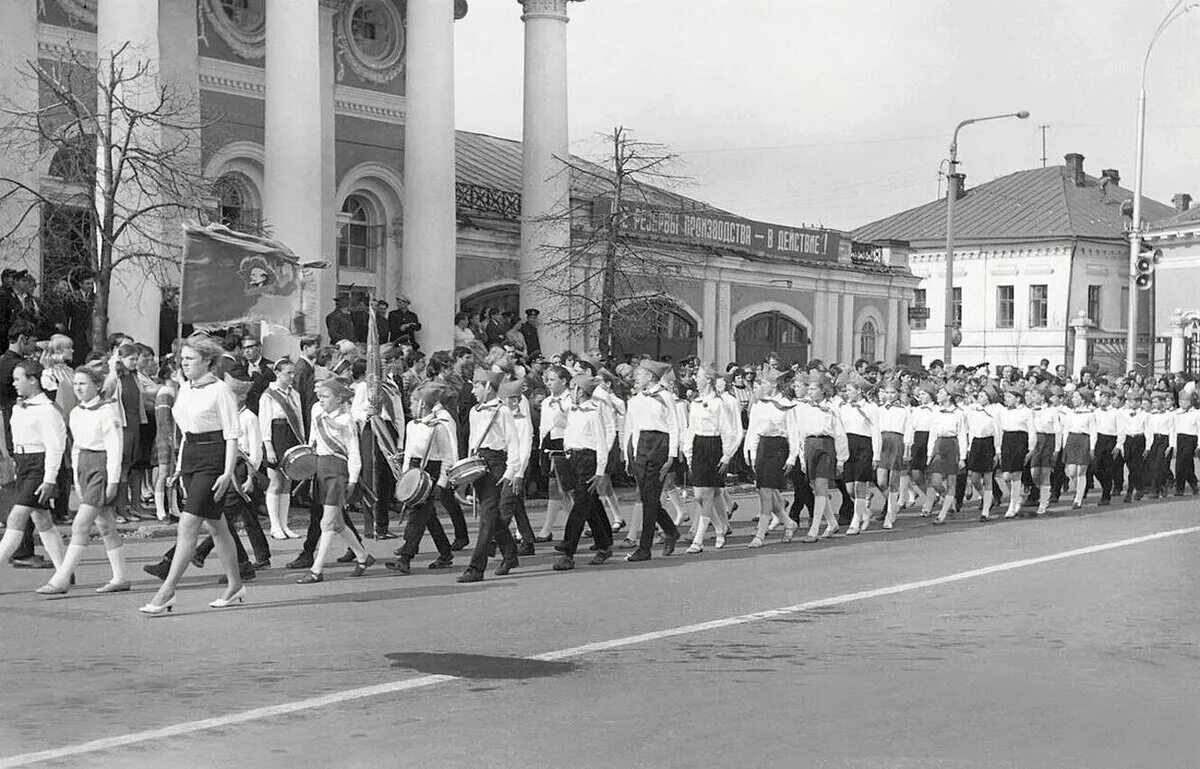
{"x":230,"y":277}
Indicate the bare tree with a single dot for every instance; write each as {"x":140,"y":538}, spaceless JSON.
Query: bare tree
{"x":610,"y":279}
{"x":124,"y":148}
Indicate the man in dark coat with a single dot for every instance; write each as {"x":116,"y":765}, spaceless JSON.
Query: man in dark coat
{"x":402,"y":322}
{"x":339,"y":323}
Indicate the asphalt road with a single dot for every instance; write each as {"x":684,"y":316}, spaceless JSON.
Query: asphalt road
{"x":1085,"y":660}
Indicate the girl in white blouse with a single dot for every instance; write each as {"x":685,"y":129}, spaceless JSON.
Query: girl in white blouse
{"x":1045,"y":443}
{"x":281,"y":423}
{"x":709,"y":441}
{"x":894,"y":447}
{"x":1079,"y":441}
{"x":334,"y":437}
{"x":920,"y":416}
{"x":861,"y":423}
{"x":771,"y":450}
{"x":207,"y":415}
{"x":1016,"y":436}
{"x":983,"y":432}
{"x":947,"y":447}
{"x":96,"y":459}
{"x":551,"y":428}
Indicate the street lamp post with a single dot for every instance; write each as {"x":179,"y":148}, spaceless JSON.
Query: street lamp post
{"x":951,"y":190}
{"x":1135,"y":233}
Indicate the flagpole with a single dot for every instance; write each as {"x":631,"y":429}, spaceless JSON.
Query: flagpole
{"x":179,"y":296}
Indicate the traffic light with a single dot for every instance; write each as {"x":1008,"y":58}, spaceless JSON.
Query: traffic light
{"x":1144,"y":266}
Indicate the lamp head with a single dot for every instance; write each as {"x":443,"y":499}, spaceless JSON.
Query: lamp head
{"x":1023,"y":114}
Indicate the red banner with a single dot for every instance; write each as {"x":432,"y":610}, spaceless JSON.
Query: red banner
{"x":231,"y":278}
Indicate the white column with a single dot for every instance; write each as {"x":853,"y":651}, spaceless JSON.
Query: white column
{"x":18,"y":45}
{"x":429,"y":217}
{"x":546,"y":185}
{"x":708,"y":323}
{"x":726,"y":343}
{"x":1178,"y":345}
{"x":298,"y":182}
{"x":1081,"y":325}
{"x":135,"y":298}
{"x":849,"y":354}
{"x":892,"y":333}
{"x":903,"y":331}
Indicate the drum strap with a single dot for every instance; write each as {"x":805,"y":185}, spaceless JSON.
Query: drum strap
{"x":331,"y":440}
{"x":486,"y":430}
{"x":289,"y":412}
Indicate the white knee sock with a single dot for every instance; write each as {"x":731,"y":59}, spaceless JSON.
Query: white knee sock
{"x":987,"y":498}
{"x":116,"y":559}
{"x":553,"y":507}
{"x":70,"y":561}
{"x":612,"y":506}
{"x":53,"y":543}
{"x":676,"y":501}
{"x":285,"y":509}
{"x":273,"y":515}
{"x":864,"y":522}
{"x":820,"y":502}
{"x":160,"y":505}
{"x":10,"y":542}
{"x":893,"y":506}
{"x":323,"y":545}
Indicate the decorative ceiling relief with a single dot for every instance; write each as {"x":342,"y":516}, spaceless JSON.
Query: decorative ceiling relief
{"x":80,"y":11}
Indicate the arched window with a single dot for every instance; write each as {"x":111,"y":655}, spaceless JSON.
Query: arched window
{"x":660,"y":329}
{"x":236,"y":203}
{"x":771,"y":332}
{"x":361,"y":236}
{"x":75,"y":160}
{"x":505,"y":298}
{"x":866,"y":341}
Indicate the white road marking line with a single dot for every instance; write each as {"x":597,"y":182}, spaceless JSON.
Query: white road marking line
{"x":422,"y":682}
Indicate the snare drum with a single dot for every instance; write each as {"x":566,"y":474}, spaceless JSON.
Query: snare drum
{"x":466,"y":471}
{"x":299,"y":463}
{"x":413,"y":487}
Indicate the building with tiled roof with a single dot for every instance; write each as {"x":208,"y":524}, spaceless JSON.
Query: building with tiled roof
{"x":1032,"y":250}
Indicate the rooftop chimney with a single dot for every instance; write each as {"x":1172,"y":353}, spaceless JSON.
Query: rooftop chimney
{"x":1075,"y":169}
{"x":958,"y":186}
{"x":1182,"y":201}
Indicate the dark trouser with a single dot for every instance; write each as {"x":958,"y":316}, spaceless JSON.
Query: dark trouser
{"x":385,"y":491}
{"x":803,"y":497}
{"x":1103,"y":464}
{"x":25,"y":549}
{"x":586,"y":506}
{"x":1158,"y":465}
{"x":1118,"y":473}
{"x":495,"y":506}
{"x":846,"y":511}
{"x":205,"y":547}
{"x":1185,"y":462}
{"x":1135,"y":460}
{"x":424,"y":518}
{"x":649,"y":459}
{"x":313,"y":536}
{"x":524,"y":527}
{"x":59,"y":505}
{"x":1058,"y":477}
{"x":457,"y":518}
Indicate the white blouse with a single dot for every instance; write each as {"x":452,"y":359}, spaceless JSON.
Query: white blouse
{"x":948,"y":423}
{"x":94,"y":427}
{"x":770,"y":418}
{"x":585,"y":430}
{"x":207,"y":407}
{"x":893,"y":418}
{"x":554,"y":417}
{"x":814,"y":420}
{"x":38,"y":427}
{"x":269,"y":410}
{"x":709,"y":416}
{"x":435,"y":437}
{"x":501,"y":436}
{"x":250,"y":441}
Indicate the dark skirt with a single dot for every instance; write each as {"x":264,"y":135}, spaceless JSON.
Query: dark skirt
{"x":820,"y":457}
{"x":93,"y":477}
{"x":769,"y":463}
{"x":333,"y":480}
{"x":31,"y":468}
{"x":891,"y":451}
{"x":1014,"y":445}
{"x":547,"y":461}
{"x":945,"y":457}
{"x":981,"y":457}
{"x":858,"y":467}
{"x":282,"y":439}
{"x":202,"y":463}
{"x":920,"y":450}
{"x":143,"y":456}
{"x":1043,"y":452}
{"x":706,"y":458}
{"x":1077,"y":450}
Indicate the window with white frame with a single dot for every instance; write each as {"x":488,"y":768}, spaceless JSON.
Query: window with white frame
{"x":1039,"y":306}
{"x":360,"y":237}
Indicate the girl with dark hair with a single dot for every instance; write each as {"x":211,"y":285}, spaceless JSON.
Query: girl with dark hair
{"x":947,"y":451}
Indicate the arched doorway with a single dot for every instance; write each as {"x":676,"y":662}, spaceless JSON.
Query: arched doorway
{"x":771,"y":332}
{"x":662,"y":330}
{"x":505,"y":298}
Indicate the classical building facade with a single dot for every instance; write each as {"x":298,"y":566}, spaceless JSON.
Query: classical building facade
{"x":331,"y":124}
{"x":1176,"y":284}
{"x":1033,"y":249}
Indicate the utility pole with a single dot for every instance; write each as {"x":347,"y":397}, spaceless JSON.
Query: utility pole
{"x":1043,"y":130}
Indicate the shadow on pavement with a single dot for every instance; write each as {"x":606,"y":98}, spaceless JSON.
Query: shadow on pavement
{"x":478,"y":665}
